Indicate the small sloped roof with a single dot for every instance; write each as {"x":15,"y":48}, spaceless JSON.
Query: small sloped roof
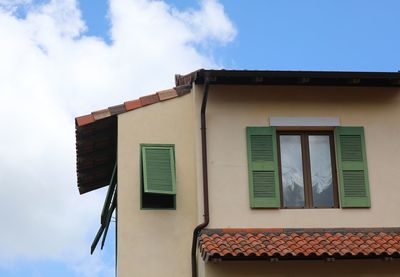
{"x":96,"y":138}
{"x":236,"y":244}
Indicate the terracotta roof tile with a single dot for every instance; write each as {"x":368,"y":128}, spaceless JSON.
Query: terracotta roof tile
{"x":85,"y":119}
{"x":149,"y":99}
{"x":117,"y":109}
{"x":220,"y":243}
{"x":167,"y":94}
{"x":101,"y":114}
{"x":131,"y":105}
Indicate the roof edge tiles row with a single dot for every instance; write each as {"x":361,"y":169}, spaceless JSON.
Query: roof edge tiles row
{"x":143,"y":101}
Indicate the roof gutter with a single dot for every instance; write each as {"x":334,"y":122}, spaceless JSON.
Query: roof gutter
{"x":201,"y":226}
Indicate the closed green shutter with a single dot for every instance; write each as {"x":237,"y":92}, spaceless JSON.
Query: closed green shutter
{"x":263,"y":167}
{"x":159,"y":169}
{"x":352,"y":165}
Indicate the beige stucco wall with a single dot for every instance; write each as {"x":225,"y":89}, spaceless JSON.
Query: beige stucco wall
{"x":156,"y":242}
{"x":231,"y":109}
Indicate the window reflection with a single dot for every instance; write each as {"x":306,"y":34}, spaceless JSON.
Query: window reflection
{"x":321,"y":171}
{"x":292,"y":171}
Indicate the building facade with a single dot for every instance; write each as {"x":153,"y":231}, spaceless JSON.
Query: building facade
{"x":287,"y":174}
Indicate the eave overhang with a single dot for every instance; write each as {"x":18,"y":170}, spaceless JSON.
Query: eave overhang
{"x":291,"y":78}
{"x":96,"y":151}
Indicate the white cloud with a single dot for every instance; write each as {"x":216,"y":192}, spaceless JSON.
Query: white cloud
{"x":12,"y":5}
{"x":49,"y":73}
{"x":209,"y":22}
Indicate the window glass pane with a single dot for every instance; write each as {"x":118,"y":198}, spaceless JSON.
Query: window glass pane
{"x":321,"y":171}
{"x":292,"y":171}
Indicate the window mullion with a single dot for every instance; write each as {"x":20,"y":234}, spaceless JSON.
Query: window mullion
{"x":307,"y":172}
{"x":334,"y":172}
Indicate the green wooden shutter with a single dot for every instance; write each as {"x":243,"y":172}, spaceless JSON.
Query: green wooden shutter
{"x":352,"y":165}
{"x":263,"y":167}
{"x":159,"y":169}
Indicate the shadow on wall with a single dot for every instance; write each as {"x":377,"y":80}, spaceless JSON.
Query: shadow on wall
{"x":304,"y":94}
{"x":343,"y":268}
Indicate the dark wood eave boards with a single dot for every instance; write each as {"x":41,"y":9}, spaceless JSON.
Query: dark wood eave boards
{"x":96,"y":143}
{"x":96,"y":152}
{"x":287,"y":78}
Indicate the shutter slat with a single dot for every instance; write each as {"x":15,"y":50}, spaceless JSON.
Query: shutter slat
{"x":351,"y":148}
{"x":354,"y":181}
{"x":352,"y":165}
{"x":158,"y":169}
{"x":263,"y":167}
{"x":261,"y":150}
{"x":264,"y":184}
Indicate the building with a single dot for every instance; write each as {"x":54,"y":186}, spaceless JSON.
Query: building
{"x":251,"y":173}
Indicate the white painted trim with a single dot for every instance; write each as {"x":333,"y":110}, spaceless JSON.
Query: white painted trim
{"x":304,"y":121}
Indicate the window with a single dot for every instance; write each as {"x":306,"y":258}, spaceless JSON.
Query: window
{"x":307,"y":172}
{"x":158,"y":188}
{"x":298,"y":169}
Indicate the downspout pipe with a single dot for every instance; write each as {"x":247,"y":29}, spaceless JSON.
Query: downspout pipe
{"x":201,"y":226}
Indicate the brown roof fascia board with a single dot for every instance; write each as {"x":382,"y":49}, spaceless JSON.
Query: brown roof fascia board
{"x":306,"y":78}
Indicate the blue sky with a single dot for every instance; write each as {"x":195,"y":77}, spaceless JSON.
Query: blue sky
{"x":300,"y":35}
{"x":76,"y":57}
